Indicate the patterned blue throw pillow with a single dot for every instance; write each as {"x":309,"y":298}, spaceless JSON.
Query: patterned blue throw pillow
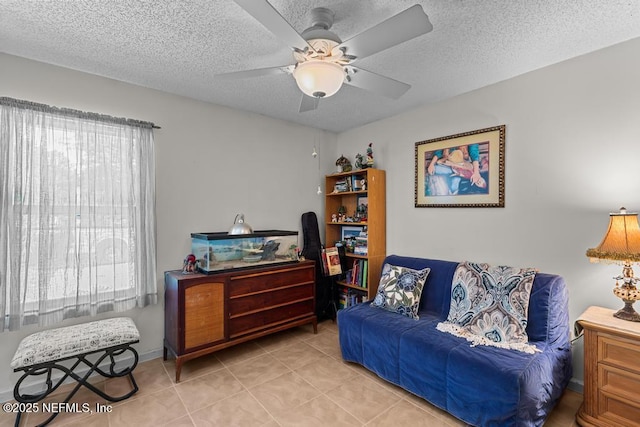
{"x":400,"y":290}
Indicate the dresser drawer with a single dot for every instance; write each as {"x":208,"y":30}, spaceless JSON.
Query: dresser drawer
{"x":619,"y":382}
{"x":244,"y":324}
{"x":266,"y":281}
{"x":617,"y":411}
{"x":619,"y":352}
{"x":280,"y":296}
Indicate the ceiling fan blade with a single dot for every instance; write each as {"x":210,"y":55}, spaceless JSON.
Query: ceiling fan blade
{"x":258,"y":72}
{"x":376,"y":83}
{"x":274,"y":22}
{"x":308,"y":103}
{"x":404,"y":26}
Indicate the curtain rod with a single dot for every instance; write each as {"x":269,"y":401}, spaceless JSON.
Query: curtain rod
{"x":75,"y":113}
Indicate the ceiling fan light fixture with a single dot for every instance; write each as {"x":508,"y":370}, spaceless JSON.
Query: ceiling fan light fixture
{"x":318,"y":78}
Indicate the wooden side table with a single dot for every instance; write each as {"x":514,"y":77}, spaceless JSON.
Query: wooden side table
{"x":611,"y":370}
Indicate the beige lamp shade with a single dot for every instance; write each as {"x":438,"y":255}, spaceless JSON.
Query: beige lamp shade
{"x":622,"y":241}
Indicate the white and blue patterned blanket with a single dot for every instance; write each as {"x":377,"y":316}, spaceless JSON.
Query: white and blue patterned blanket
{"x":489,"y":305}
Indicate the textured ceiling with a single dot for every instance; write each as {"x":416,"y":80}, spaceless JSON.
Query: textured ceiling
{"x":178,"y":46}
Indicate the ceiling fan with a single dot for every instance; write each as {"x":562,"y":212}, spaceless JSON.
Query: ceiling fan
{"x":323,"y":62}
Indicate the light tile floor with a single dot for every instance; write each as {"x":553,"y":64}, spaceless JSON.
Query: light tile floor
{"x":293,"y":378}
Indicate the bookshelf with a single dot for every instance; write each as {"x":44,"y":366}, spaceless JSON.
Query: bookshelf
{"x":354,"y":189}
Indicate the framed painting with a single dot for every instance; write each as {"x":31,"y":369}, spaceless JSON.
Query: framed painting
{"x":463,"y":170}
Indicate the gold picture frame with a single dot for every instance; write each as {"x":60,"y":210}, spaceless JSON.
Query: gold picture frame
{"x":462,"y":170}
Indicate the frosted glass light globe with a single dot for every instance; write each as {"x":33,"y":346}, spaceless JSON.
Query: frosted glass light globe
{"x":319,"y":79}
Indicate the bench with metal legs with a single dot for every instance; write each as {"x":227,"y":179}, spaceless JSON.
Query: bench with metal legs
{"x":41,"y":354}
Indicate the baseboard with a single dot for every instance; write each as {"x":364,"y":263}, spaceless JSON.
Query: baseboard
{"x":7,"y":395}
{"x":576,"y":385}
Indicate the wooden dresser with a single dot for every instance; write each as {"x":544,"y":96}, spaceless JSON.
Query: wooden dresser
{"x":611,"y":370}
{"x":206,"y":313}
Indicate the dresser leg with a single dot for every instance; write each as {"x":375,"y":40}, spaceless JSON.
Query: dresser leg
{"x":178,"y":368}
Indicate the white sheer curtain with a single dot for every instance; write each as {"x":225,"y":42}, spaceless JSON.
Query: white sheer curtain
{"x":77,"y":214}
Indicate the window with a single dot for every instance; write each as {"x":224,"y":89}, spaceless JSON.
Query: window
{"x":77,"y":219}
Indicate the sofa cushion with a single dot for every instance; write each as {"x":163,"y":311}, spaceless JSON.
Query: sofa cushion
{"x":400,"y":290}
{"x":546,"y":322}
{"x":489,"y":305}
{"x":517,"y":388}
{"x":381,"y":336}
{"x":424,"y":355}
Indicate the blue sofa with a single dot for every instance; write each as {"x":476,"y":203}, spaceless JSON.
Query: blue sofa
{"x":482,"y":385}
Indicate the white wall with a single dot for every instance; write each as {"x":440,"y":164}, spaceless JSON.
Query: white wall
{"x":572,"y":156}
{"x":212,"y":162}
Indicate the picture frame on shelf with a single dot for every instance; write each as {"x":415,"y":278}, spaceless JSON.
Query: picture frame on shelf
{"x":362,"y":207}
{"x":462,"y":170}
{"x":351,"y":235}
{"x":351,"y":232}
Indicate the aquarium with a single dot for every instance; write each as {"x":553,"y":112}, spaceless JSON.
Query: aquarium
{"x":216,"y":252}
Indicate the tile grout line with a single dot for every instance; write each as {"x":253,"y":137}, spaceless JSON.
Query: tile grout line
{"x":175,"y":389}
{"x":383,"y":412}
{"x":255,"y":398}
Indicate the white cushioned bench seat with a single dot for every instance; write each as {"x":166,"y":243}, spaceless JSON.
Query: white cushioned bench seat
{"x":69,"y":341}
{"x":39,"y":353}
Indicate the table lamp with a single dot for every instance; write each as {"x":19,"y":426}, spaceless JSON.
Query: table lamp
{"x":621,"y":245}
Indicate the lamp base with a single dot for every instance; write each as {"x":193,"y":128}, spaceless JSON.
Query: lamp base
{"x":627,"y":312}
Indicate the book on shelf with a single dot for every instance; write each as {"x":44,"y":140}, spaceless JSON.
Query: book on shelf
{"x":360,"y":247}
{"x":332,"y":260}
{"x":365,"y":274}
{"x":323,"y":261}
{"x":343,"y":185}
{"x":357,"y":276}
{"x":348,"y":297}
{"x":356,"y":183}
{"x":354,"y":273}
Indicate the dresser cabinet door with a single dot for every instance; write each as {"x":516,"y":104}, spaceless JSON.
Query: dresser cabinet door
{"x":203,"y":314}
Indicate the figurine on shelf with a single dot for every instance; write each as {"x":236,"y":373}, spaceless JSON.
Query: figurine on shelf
{"x":334,"y":218}
{"x":343,"y":164}
{"x":341,"y":213}
{"x":189,"y":264}
{"x":294,"y":252}
{"x":369,"y":163}
{"x":363,"y":184}
{"x":363,"y":162}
